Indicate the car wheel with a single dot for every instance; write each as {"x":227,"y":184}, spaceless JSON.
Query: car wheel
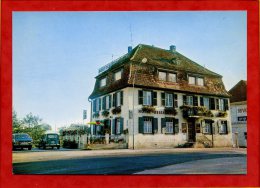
{"x":58,"y":147}
{"x":51,"y":147}
{"x":44,"y":147}
{"x":30,"y":147}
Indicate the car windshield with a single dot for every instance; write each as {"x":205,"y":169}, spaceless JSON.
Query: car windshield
{"x":22,"y":136}
{"x":52,"y":136}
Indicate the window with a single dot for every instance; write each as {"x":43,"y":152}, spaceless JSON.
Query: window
{"x":172,"y":77}
{"x":206,"y":102}
{"x":118,"y":75}
{"x":207,"y":127}
{"x":192,"y":80}
{"x":118,"y":99}
{"x":169,"y":127}
{"x":118,"y":126}
{"x":162,"y":76}
{"x":175,"y":100}
{"x":223,"y":127}
{"x":200,"y":81}
{"x":147,"y":100}
{"x":189,"y":100}
{"x":221,"y":104}
{"x":107,"y":102}
{"x":103,"y":82}
{"x":168,"y":100}
{"x":148,"y":128}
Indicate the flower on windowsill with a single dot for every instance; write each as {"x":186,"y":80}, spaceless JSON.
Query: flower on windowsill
{"x":105,"y":113}
{"x":170,"y":111}
{"x":116,"y":110}
{"x":148,"y":109}
{"x":222,"y":114}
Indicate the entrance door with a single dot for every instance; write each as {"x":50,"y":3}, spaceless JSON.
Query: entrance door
{"x":191,"y":131}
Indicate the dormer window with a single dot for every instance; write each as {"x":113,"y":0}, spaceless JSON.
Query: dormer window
{"x":192,"y":80}
{"x":200,"y":81}
{"x":162,"y":76}
{"x":118,"y":75}
{"x":167,"y":76}
{"x":103,"y":82}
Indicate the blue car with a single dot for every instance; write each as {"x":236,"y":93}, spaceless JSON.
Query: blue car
{"x":22,"y":140}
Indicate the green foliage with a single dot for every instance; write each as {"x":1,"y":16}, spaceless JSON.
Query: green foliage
{"x":195,"y":111}
{"x":148,"y":109}
{"x":95,"y":115}
{"x":31,"y":125}
{"x":105,"y":113}
{"x":116,"y":110}
{"x":170,"y":111}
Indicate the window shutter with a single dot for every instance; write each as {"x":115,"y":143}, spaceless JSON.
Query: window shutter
{"x":140,"y":97}
{"x":110,"y":101}
{"x":99,"y":104}
{"x":104,"y":103}
{"x":154,"y":102}
{"x":203,"y":126}
{"x":176,"y":126}
{"x":217,"y":104}
{"x":141,"y":125}
{"x":94,"y":105}
{"x":163,"y":123}
{"x":211,"y":103}
{"x":121,"y":97}
{"x":184,"y":100}
{"x":163,"y":99}
{"x":155,"y":125}
{"x":94,"y":129}
{"x":225,"y":104}
{"x":195,"y":101}
{"x":175,"y":100}
{"x":201,"y":101}
{"x":114,"y":100}
{"x":109,"y":124}
{"x":121,"y":125}
{"x":228,"y":127}
{"x":113,"y":127}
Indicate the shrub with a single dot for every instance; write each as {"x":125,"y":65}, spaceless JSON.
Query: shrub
{"x":105,"y":113}
{"x":170,"y":110}
{"x":116,"y":110}
{"x":148,"y":109}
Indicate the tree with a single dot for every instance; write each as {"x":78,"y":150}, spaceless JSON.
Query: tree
{"x":30,"y":120}
{"x":17,"y":123}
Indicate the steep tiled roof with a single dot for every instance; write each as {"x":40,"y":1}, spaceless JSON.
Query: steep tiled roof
{"x":146,"y":75}
{"x":238,"y":92}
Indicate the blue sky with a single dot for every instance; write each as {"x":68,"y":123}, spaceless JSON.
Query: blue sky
{"x":56,"y":55}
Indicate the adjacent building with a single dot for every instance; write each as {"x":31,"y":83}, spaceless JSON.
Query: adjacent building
{"x":238,"y":106}
{"x":159,"y":98}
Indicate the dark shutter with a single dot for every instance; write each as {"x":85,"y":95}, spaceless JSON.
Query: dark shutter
{"x":211,"y":103}
{"x":94,"y":105}
{"x":154,"y":93}
{"x":141,"y":125}
{"x":225,"y":104}
{"x":163,"y":99}
{"x":109,"y":124}
{"x":140,"y":97}
{"x":176,"y":126}
{"x":195,"y":101}
{"x":121,"y":97}
{"x":113,"y":127}
{"x":184,"y":100}
{"x":99,"y":104}
{"x":217,"y":104}
{"x":110,"y":101}
{"x":114,"y":100}
{"x":94,"y":129}
{"x":163,"y":123}
{"x":175,"y":98}
{"x":201,"y":101}
{"x":155,"y":125}
{"x":228,"y":127}
{"x":104,"y":103}
{"x":121,"y":125}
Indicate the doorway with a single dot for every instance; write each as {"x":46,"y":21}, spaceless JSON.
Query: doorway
{"x":191,"y":130}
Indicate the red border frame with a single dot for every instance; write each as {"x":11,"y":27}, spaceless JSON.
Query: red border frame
{"x":9,"y":180}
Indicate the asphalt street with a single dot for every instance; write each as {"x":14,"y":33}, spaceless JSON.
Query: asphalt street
{"x":129,"y":162}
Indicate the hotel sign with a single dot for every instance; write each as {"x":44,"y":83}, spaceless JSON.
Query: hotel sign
{"x":242,"y":113}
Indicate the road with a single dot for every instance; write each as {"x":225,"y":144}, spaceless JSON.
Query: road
{"x":172,"y":161}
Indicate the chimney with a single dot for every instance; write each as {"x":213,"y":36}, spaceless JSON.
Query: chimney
{"x":173,"y":48}
{"x":129,"y":49}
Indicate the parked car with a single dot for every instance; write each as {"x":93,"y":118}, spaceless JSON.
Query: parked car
{"x":22,"y":140}
{"x":49,"y":140}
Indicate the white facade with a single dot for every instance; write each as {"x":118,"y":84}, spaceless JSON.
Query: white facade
{"x":159,"y":139}
{"x":239,"y":123}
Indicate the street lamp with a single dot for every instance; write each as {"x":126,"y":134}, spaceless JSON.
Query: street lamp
{"x":144,"y":60}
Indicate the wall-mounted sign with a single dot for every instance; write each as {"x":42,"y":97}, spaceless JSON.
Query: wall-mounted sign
{"x":242,"y":118}
{"x":241,"y":111}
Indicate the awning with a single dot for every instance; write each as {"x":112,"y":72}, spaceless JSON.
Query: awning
{"x":95,"y":123}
